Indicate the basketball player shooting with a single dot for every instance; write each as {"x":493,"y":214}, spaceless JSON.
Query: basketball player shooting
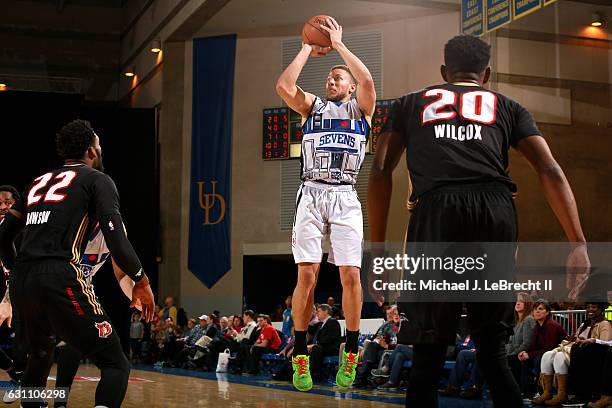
{"x":47,"y":285}
{"x":333,"y":150}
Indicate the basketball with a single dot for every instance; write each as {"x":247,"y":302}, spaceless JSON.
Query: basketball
{"x":313,"y":34}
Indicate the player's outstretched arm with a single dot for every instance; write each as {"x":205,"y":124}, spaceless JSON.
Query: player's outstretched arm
{"x":367,"y":92}
{"x":286,"y":86}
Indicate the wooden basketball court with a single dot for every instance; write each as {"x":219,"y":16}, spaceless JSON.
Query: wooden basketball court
{"x":153,"y":389}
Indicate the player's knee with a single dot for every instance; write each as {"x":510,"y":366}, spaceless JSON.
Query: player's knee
{"x":350,"y":278}
{"x":307,"y":279}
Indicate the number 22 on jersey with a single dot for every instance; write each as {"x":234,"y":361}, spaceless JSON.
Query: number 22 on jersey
{"x":475,"y":106}
{"x":54,"y":194}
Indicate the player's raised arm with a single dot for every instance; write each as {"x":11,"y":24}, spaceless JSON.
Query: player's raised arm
{"x":286,"y":86}
{"x":367,"y":92}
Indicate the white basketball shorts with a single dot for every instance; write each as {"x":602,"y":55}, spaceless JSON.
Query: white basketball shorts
{"x":323,"y":210}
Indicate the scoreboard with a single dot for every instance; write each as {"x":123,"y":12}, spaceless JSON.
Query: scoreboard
{"x":282,"y":130}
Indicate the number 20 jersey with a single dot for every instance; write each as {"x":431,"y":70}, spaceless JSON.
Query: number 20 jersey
{"x":458,"y":134}
{"x":334,"y":142}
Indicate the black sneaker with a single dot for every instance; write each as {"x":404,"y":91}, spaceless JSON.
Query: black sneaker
{"x":388,"y":387}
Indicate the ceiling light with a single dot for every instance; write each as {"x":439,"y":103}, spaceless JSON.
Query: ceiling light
{"x":130,"y":72}
{"x":596,"y":20}
{"x":156,"y":46}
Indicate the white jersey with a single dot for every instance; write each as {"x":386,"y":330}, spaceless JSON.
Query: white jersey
{"x":334,"y":142}
{"x":96,"y":253}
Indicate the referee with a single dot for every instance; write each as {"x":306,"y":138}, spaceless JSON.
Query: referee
{"x":456,"y":136}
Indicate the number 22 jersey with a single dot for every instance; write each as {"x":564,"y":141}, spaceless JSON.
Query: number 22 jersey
{"x":458,"y":134}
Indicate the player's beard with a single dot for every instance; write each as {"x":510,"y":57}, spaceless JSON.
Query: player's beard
{"x":337,"y":97}
{"x":98,"y":164}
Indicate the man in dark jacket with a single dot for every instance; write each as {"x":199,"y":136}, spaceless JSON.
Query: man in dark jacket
{"x":326,"y":341}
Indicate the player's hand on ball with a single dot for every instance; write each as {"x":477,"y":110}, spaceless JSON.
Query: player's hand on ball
{"x":318,"y":51}
{"x":335,"y":31}
{"x":142,"y":293}
{"x":6,"y":313}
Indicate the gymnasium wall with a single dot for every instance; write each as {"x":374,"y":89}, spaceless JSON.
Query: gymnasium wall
{"x":549,"y":61}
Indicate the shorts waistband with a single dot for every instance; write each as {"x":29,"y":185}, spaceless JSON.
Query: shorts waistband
{"x":334,"y":187}
{"x":494,"y":186}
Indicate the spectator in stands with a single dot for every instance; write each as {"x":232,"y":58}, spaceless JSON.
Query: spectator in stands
{"x":191,"y":323}
{"x":237,"y":325}
{"x":523,"y":336}
{"x":136,"y":336}
{"x":465,"y":364}
{"x":597,"y":379}
{"x":245,"y":335}
{"x":588,"y":355}
{"x":400,"y":355}
{"x":374,"y":350}
{"x":336,"y":309}
{"x":326,"y":341}
{"x":547,"y":335}
{"x":556,"y":362}
{"x":169,"y":311}
{"x":268,"y":342}
{"x":288,"y":318}
{"x":189,"y":342}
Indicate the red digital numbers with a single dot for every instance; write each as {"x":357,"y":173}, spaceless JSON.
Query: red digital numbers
{"x":275,"y":133}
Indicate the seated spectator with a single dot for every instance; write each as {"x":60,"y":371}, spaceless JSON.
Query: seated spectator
{"x":326,"y":341}
{"x":465,"y":364}
{"x":556,"y":362}
{"x":191,"y":323}
{"x":588,"y":354}
{"x":374,"y":350}
{"x":547,"y":335}
{"x":401,"y":354}
{"x":288,"y":318}
{"x":598,"y":363}
{"x":189,"y":342}
{"x":268,"y":342}
{"x":237,"y":325}
{"x":523,"y":336}
{"x":244,"y":340}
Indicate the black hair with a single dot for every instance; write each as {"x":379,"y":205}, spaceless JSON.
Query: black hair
{"x":74,"y":139}
{"x":466,"y":53}
{"x":12,"y":190}
{"x":326,"y":308}
{"x":544,"y":303}
{"x":265,"y":317}
{"x":249,"y":313}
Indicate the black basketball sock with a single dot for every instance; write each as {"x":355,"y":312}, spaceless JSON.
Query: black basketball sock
{"x":352,"y":338}
{"x":300,"y":343}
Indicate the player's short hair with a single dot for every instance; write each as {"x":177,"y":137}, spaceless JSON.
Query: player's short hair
{"x":466,"y":53}
{"x":74,"y":139}
{"x":12,"y":190}
{"x":345,"y":68}
{"x":326,"y":308}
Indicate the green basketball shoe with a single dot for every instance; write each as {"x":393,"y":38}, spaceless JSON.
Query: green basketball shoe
{"x":302,"y":381}
{"x":346,"y":371}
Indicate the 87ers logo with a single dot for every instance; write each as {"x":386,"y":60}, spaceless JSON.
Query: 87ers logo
{"x":104,"y":329}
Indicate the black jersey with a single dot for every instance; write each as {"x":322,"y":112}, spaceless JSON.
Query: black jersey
{"x":458,"y":134}
{"x":61,"y":208}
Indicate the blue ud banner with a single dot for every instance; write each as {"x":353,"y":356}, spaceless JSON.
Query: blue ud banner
{"x":499,"y":13}
{"x":521,"y":8}
{"x":211,"y":158}
{"x":472,"y":17}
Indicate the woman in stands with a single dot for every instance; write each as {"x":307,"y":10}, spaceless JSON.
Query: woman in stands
{"x":523,"y":336}
{"x":556,"y":362}
{"x":547,"y":335}
{"x":588,"y":357}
